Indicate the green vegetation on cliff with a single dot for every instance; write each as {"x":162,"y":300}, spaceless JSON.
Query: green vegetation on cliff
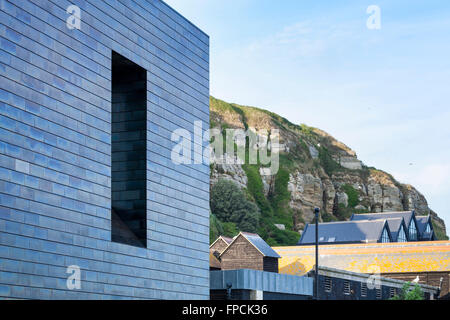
{"x":439,"y":231}
{"x":274,"y":208}
{"x":229,"y":204}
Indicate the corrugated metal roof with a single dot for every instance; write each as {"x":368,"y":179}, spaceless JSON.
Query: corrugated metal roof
{"x":344,"y":232}
{"x":260,"y":244}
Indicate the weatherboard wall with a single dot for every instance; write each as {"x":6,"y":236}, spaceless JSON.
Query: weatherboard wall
{"x":55,"y":151}
{"x":241,"y":254}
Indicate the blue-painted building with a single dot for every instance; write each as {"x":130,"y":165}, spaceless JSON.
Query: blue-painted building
{"x":91,"y":204}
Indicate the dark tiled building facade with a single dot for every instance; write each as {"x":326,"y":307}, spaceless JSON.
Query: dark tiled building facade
{"x":86,"y":177}
{"x":337,"y":284}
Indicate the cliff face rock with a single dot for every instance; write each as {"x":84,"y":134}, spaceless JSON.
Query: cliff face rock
{"x":321,"y":171}
{"x":227,"y":170}
{"x":306,"y":192}
{"x":414,"y":199}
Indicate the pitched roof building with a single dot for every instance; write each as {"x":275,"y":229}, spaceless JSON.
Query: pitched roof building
{"x":399,"y":230}
{"x":220,"y":244}
{"x":245,"y":251}
{"x":401,"y":226}
{"x":408,"y":216}
{"x":215,"y":249}
{"x":347,"y":232}
{"x":425,"y":228}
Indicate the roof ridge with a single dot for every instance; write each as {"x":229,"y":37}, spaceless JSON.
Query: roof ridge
{"x":350,"y":221}
{"x":245,"y":234}
{"x":250,"y":233}
{"x":380,"y":213}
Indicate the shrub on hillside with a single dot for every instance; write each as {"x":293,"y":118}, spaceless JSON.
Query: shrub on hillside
{"x":229,"y":204}
{"x":353,"y":195}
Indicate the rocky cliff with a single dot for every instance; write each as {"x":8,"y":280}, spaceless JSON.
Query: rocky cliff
{"x":316,"y":170}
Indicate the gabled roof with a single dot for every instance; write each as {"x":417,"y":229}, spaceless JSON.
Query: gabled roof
{"x":345,"y":232}
{"x":227,"y":239}
{"x":422,"y":222}
{"x":395,"y":224}
{"x":406,"y":215}
{"x":257,"y":242}
{"x":222,"y":238}
{"x":260,"y":244}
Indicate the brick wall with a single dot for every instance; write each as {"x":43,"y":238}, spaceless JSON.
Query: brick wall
{"x":55,"y":151}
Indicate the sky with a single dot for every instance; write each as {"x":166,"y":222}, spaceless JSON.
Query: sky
{"x":383,"y":92}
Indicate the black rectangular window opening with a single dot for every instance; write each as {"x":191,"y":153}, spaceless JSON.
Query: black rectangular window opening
{"x":128,"y":152}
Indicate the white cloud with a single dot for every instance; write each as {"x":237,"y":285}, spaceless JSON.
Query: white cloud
{"x":303,"y":39}
{"x":295,"y":41}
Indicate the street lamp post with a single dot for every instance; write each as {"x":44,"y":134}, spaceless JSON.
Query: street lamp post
{"x":316,"y":276}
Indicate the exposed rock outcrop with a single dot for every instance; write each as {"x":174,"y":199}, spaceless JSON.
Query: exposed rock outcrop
{"x":226,"y":169}
{"x":323,"y":172}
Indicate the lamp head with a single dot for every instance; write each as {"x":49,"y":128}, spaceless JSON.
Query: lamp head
{"x":316,"y":211}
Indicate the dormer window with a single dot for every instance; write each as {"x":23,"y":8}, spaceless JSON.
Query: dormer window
{"x":412,"y":230}
{"x":385,"y":236}
{"x":402,"y":235}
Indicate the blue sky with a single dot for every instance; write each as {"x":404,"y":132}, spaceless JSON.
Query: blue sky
{"x":385,"y":93}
